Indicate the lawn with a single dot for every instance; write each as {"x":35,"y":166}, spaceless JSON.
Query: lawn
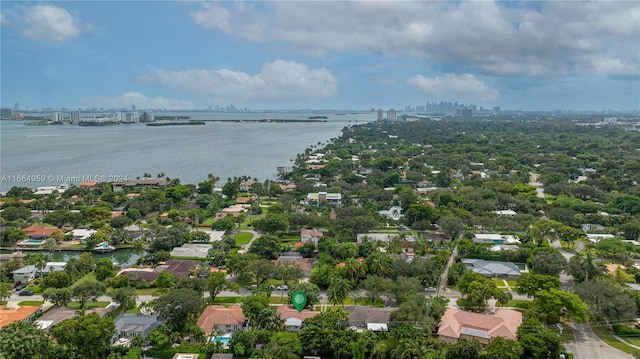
{"x":512,"y":283}
{"x":91,"y":277}
{"x":243,"y":238}
{"x":519,"y":303}
{"x":228,"y":300}
{"x":498,"y":282}
{"x":151,"y":291}
{"x":603,"y":333}
{"x":35,"y":303}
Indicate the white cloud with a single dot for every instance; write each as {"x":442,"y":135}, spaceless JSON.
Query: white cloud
{"x":49,"y":22}
{"x":3,"y":20}
{"x":465,"y":87}
{"x":278,"y":80}
{"x":541,"y":39}
{"x":137,"y":99}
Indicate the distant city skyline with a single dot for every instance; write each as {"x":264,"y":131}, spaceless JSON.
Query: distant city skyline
{"x":288,"y":55}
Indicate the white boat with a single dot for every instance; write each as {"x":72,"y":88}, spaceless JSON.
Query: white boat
{"x":104,"y":247}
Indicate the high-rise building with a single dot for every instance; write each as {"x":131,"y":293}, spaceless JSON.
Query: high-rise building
{"x":74,"y":117}
{"x":380,"y":114}
{"x":6,"y":113}
{"x":16,"y":107}
{"x":391,"y":115}
{"x":57,"y":117}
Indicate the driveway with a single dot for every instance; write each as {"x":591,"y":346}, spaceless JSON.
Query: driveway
{"x":587,"y":345}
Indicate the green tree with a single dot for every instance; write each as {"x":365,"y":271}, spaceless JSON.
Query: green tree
{"x":548,"y":262}
{"x":178,"y":308}
{"x":5,"y":290}
{"x":125,"y":296}
{"x":260,"y":270}
{"x":606,"y":301}
{"x":87,"y":291}
{"x":267,"y":247}
{"x":338,"y":290}
{"x":283,"y":345}
{"x":375,"y":286}
{"x":271,"y":223}
{"x":89,"y":336}
{"x":501,"y":348}
{"x":419,"y":311}
{"x":584,"y":266}
{"x":24,"y":340}
{"x":452,"y":226}
{"x":531,"y":283}
{"x":288,"y":272}
{"x":309,"y":289}
{"x":550,"y":305}
{"x":104,"y":269}
{"x":58,"y":296}
{"x":253,"y":305}
{"x":57,"y":279}
{"x":164,"y":280}
{"x":216,"y":283}
{"x":464,"y":349}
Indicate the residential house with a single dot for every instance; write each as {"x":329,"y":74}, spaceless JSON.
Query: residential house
{"x":493,"y":269}
{"x":395,"y":213}
{"x":382,"y":237}
{"x":368,"y":318}
{"x":506,"y":213}
{"x":195,"y":250}
{"x":456,"y":325}
{"x":153,"y":183}
{"x":596,"y":237}
{"x":8,"y":316}
{"x":245,"y":186}
{"x":129,"y":325}
{"x":217,"y":318}
{"x":25,"y":274}
{"x":324,"y":198}
{"x":81,"y":234}
{"x":495,"y":238}
{"x":185,"y":356}
{"x":178,"y":268}
{"x":58,"y":314}
{"x":293,"y":320}
{"x":91,"y":185}
{"x":39,"y":232}
{"x":310,"y":235}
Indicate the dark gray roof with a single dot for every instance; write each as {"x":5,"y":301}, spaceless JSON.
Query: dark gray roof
{"x":491,"y":267}
{"x":138,"y":323}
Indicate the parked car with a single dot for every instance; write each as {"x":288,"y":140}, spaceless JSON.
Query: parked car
{"x":282,"y":287}
{"x":252,"y":287}
{"x":430,"y":289}
{"x":26,"y":292}
{"x":20,"y":287}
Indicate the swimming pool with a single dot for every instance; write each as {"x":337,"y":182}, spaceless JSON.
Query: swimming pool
{"x":32,"y":242}
{"x":222,"y":340}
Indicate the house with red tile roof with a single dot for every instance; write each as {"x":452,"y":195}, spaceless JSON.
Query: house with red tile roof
{"x":310,"y":235}
{"x":457,"y":324}
{"x":39,"y":232}
{"x":216,"y":318}
{"x":292,"y":318}
{"x":8,"y":316}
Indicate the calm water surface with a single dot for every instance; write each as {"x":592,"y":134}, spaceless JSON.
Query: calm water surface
{"x":190,"y":153}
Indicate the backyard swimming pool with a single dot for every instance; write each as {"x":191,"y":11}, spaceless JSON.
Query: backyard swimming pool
{"x":32,"y":242}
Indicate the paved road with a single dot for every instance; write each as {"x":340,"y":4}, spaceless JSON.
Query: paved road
{"x":587,"y":345}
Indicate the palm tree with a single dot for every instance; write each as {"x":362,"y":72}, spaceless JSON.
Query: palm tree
{"x":378,"y":264}
{"x":379,"y":350}
{"x":41,"y":264}
{"x":140,"y":245}
{"x":354,"y":268}
{"x":338,"y":290}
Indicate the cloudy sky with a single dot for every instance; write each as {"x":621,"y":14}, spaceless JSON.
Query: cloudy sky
{"x":325,"y":54}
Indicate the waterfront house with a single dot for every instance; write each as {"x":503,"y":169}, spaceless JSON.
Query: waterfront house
{"x":495,"y":238}
{"x":39,"y":232}
{"x":153,"y":183}
{"x":81,"y":234}
{"x":217,"y":318}
{"x":457,"y":324}
{"x":25,"y":274}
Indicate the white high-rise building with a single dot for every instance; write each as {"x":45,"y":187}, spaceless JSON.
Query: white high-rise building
{"x":74,"y":117}
{"x":57,"y":117}
{"x":391,"y":115}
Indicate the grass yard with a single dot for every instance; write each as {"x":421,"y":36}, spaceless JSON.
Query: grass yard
{"x":35,"y":303}
{"x":498,"y":282}
{"x":512,"y":283}
{"x":208,"y":222}
{"x":603,"y":333}
{"x":243,"y":238}
{"x":91,"y":277}
{"x":228,"y":300}
{"x":519,"y":303}
{"x":151,"y":291}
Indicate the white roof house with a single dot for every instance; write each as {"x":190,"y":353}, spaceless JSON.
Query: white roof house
{"x":395,"y":213}
{"x":25,"y":274}
{"x":596,"y":237}
{"x":81,"y":234}
{"x":495,"y":238}
{"x":506,"y":212}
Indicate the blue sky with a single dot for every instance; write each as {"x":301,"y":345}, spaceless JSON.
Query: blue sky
{"x":329,"y":54}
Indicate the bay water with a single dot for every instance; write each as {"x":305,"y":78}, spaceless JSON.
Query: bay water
{"x":67,"y":154}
